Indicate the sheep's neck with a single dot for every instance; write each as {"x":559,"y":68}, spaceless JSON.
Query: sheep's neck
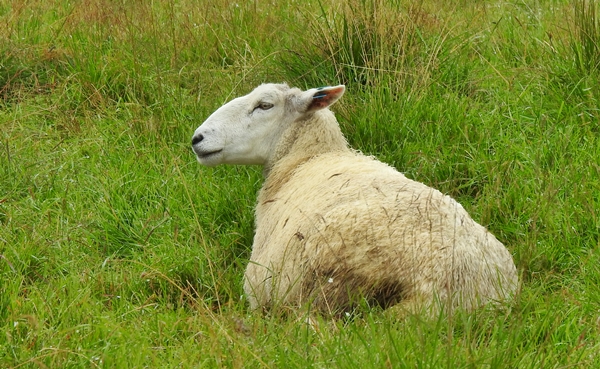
{"x":319,"y":134}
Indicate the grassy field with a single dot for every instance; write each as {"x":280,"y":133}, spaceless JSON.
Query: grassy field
{"x":118,"y":250}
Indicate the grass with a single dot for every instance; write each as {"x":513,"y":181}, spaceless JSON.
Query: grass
{"x":118,"y":250}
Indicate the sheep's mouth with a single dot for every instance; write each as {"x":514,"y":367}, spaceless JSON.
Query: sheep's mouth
{"x":204,"y":155}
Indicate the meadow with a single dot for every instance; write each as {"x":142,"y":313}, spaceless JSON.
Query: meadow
{"x":118,"y":250}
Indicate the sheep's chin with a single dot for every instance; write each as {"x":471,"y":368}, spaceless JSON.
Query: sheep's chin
{"x":210,"y":159}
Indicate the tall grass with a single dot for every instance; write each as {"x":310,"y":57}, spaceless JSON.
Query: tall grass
{"x":118,"y":250}
{"x":587,"y":36}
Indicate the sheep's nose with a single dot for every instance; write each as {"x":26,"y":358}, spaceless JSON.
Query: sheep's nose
{"x":196,"y":139}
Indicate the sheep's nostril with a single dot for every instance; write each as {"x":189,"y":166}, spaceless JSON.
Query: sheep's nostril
{"x":197,"y":139}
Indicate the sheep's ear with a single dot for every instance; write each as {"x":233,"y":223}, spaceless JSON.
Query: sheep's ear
{"x":320,"y":98}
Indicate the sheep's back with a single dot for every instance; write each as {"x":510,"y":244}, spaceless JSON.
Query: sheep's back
{"x":345,"y":223}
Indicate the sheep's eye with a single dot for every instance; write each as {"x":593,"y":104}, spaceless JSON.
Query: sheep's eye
{"x":264,"y":106}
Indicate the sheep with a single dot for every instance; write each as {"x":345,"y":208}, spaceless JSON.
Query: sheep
{"x":334,"y":228}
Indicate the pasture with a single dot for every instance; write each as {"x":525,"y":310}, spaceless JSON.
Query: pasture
{"x":118,"y":250}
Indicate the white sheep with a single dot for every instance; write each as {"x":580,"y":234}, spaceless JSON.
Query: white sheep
{"x":335,"y":228}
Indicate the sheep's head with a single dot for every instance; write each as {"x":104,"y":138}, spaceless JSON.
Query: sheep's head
{"x":246,"y":129}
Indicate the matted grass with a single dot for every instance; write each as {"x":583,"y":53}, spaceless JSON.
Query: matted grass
{"x":118,"y":250}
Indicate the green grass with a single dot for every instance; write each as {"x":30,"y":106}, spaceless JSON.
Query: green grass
{"x":118,"y":250}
